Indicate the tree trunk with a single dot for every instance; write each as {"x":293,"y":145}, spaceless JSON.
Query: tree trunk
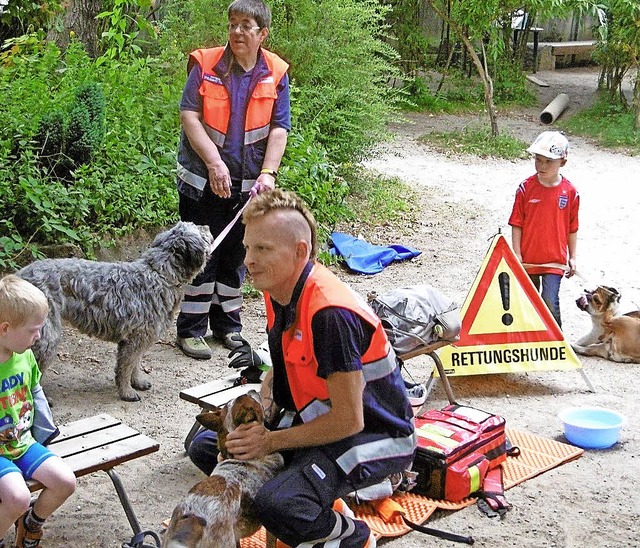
{"x":636,"y":98}
{"x":487,"y":83}
{"x":79,"y":18}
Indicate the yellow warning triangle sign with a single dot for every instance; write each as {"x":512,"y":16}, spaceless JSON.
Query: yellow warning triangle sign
{"x":506,"y":326}
{"x":495,"y":314}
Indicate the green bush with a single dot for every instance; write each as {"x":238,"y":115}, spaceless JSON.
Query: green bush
{"x":49,"y":139}
{"x":306,"y":169}
{"x":341,"y":67}
{"x":86,"y":123}
{"x":66,"y":140}
{"x":128,"y":182}
{"x":510,"y":84}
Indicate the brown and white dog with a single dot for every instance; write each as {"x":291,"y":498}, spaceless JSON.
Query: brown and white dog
{"x":218,"y":511}
{"x":613,"y":336}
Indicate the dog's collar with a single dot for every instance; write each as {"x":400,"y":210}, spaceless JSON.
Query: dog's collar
{"x":163,"y":275}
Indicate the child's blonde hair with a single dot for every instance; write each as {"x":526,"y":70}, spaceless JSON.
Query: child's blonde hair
{"x":20,"y":300}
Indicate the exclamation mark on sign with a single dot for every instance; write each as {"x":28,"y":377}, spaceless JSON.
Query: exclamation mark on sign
{"x":503,"y":281}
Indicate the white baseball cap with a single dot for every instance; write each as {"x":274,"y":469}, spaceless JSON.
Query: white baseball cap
{"x":550,"y":144}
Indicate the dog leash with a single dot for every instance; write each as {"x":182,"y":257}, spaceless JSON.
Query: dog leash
{"x":555,"y":265}
{"x":227,"y":229}
{"x":585,"y":281}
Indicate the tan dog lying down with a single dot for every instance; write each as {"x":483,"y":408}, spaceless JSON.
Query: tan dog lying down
{"x":613,"y":336}
{"x":218,"y":511}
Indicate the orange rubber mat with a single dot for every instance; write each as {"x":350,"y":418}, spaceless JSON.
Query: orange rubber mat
{"x":537,"y":455}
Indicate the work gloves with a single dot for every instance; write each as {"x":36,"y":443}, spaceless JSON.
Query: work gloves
{"x":244,"y":356}
{"x":254,"y":366}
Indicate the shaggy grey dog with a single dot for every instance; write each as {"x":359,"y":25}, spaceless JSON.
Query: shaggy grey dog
{"x":128,"y":303}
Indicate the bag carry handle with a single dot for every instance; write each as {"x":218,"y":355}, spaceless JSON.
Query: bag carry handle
{"x":453,"y":537}
{"x":389,"y":510}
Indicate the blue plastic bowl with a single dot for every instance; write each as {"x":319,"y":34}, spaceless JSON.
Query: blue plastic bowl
{"x":591,"y":427}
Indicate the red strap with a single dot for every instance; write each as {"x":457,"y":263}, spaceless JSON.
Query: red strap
{"x":493,"y":490}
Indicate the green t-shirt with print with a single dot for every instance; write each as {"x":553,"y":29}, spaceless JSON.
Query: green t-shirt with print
{"x":19,"y":375}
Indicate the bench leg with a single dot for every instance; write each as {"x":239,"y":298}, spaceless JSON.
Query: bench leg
{"x":443,"y":377}
{"x":429,"y":385}
{"x":137,"y":541}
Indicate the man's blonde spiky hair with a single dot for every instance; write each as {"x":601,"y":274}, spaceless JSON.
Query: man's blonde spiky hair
{"x":279,"y":199}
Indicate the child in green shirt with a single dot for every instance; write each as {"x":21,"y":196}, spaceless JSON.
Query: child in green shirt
{"x":23,"y":311}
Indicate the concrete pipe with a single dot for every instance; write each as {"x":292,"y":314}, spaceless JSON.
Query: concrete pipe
{"x":554,"y":109}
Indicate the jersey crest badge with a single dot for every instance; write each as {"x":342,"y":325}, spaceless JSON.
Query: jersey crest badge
{"x":563,"y":201}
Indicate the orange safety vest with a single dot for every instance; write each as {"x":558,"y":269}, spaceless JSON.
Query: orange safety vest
{"x":322,"y":289}
{"x":217,"y":105}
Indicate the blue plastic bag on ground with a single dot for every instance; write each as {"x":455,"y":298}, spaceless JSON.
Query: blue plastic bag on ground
{"x":366,"y":258}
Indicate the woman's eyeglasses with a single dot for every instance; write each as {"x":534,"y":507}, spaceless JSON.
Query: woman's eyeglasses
{"x":245,"y":28}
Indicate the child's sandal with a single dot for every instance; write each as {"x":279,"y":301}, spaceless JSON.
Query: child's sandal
{"x":24,"y":537}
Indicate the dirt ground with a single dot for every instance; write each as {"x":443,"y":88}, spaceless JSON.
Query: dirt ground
{"x":464,"y":201}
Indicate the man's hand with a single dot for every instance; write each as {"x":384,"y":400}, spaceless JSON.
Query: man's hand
{"x":249,"y":441}
{"x":244,"y":356}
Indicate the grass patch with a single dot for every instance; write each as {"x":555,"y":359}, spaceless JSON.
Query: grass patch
{"x":459,"y":93}
{"x":377,"y":200}
{"x":419,"y":95}
{"x":476,"y":142}
{"x":608,"y":124}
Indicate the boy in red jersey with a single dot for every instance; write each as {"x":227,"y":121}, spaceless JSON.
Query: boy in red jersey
{"x":544,"y":220}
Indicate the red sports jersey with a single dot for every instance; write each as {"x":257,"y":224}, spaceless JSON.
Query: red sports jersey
{"x":546,"y":216}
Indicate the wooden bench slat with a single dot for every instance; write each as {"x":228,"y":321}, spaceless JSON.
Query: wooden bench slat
{"x":195,"y":393}
{"x":220,"y":398}
{"x":82,"y":443}
{"x":98,"y":443}
{"x":106,"y":457}
{"x":85,"y":426}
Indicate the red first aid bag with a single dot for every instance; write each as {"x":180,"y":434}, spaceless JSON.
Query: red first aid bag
{"x":457,"y":446}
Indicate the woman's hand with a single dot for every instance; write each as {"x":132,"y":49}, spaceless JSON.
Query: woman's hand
{"x":219,"y":179}
{"x":263,"y":183}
